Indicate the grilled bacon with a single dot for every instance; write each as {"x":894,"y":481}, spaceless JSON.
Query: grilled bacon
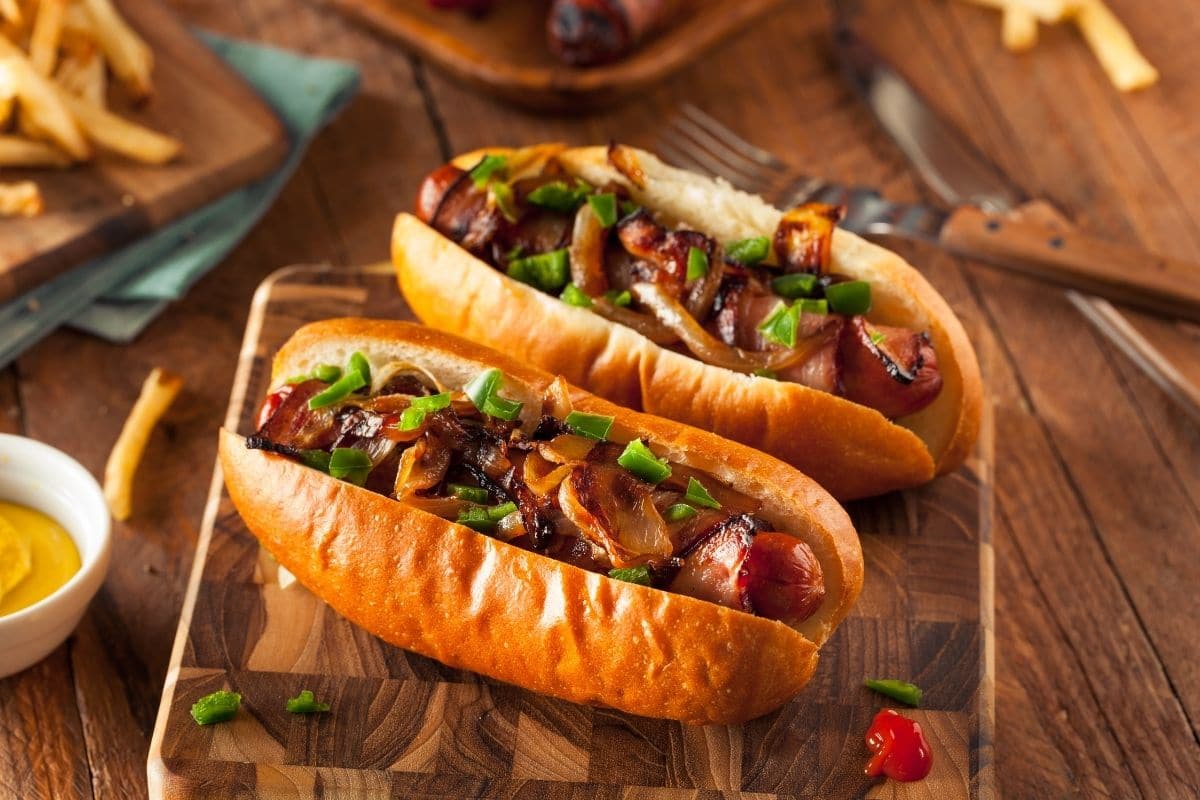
{"x":586,"y":510}
{"x":897,"y":375}
{"x":665,"y":251}
{"x":713,"y":569}
{"x":286,"y":419}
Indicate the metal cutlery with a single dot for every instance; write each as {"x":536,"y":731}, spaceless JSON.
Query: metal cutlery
{"x":693,"y":139}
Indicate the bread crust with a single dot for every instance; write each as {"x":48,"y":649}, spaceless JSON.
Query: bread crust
{"x":852,"y":450}
{"x":471,"y":601}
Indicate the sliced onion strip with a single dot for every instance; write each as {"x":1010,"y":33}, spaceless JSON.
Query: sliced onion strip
{"x":644,"y":324}
{"x":706,"y":347}
{"x":586,"y":252}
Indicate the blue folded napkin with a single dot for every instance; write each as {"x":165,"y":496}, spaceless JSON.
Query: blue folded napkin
{"x":118,"y":295}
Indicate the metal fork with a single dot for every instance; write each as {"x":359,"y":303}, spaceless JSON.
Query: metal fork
{"x":695,"y":140}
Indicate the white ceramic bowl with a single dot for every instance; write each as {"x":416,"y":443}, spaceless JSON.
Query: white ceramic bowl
{"x":38,"y":476}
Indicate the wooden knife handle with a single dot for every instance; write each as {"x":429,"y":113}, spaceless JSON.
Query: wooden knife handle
{"x":1121,"y":273}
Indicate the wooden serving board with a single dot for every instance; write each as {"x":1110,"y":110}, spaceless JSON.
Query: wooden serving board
{"x":505,"y":52}
{"x":403,"y":726}
{"x":230,"y":137}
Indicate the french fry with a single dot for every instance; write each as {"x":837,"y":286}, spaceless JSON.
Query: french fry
{"x":120,"y":135}
{"x":1113,"y":47}
{"x":40,"y":104}
{"x":130,"y":57}
{"x":8,"y":94}
{"x":82,"y":72}
{"x":10,"y":11}
{"x":1018,"y":28}
{"x":1049,"y":11}
{"x":158,"y":392}
{"x":77,"y":25}
{"x":22,"y":199}
{"x":47,"y":33}
{"x":17,"y":151}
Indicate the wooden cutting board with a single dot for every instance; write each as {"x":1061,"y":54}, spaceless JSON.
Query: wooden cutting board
{"x":230,"y":138}
{"x":505,"y":52}
{"x":403,"y":726}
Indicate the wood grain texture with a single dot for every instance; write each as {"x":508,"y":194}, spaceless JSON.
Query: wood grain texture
{"x":504,"y":53}
{"x":230,"y":137}
{"x":1126,"y":275}
{"x":924,"y":616}
{"x":1095,"y":607}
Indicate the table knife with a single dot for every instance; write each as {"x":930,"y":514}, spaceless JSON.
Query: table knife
{"x":981,"y":224}
{"x":988,"y":207}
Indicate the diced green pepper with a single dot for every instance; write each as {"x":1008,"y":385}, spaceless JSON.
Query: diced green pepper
{"x":220,"y":706}
{"x":640,"y":460}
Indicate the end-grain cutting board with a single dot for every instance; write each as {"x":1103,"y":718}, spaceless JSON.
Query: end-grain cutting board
{"x":230,"y":137}
{"x":403,"y":726}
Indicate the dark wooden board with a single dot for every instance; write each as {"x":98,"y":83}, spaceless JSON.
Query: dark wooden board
{"x":505,"y":52}
{"x":230,"y":137}
{"x":405,"y":726}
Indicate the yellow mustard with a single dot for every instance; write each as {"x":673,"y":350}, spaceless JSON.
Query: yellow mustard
{"x":37,"y":556}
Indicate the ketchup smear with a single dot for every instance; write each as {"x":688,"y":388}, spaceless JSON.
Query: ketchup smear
{"x":901,"y":751}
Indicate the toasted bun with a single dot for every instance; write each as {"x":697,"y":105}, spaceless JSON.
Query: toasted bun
{"x":854,"y":451}
{"x":471,"y":601}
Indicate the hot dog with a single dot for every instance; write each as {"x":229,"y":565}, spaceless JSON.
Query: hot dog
{"x":679,"y":295}
{"x":585,"y":33}
{"x":486,"y":514}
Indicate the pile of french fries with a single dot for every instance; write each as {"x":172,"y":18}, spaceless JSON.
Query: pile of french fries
{"x":56,"y":57}
{"x":1109,"y":40}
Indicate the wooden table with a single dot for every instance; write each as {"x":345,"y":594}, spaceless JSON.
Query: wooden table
{"x":1097,"y":532}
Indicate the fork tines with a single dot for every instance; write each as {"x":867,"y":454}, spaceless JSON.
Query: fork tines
{"x":694,"y":140}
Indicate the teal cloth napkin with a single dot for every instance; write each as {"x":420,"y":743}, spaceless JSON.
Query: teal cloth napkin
{"x":118,"y":295}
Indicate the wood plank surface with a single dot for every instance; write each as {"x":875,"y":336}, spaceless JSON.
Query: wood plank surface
{"x":230,"y":137}
{"x":925,"y":614}
{"x":1091,"y":627}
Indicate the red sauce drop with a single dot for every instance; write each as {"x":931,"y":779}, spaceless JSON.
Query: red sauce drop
{"x":271,"y":405}
{"x":901,"y":750}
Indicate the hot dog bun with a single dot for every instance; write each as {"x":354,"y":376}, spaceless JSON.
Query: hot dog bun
{"x":852,"y":450}
{"x":470,"y":601}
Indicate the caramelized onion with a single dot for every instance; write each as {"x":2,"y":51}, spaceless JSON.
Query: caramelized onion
{"x":704,"y":293}
{"x":510,"y":527}
{"x":586,"y":252}
{"x":444,"y":507}
{"x":557,"y":402}
{"x":804,"y":238}
{"x":398,"y":377}
{"x":671,"y":313}
{"x":422,"y":466}
{"x":568,"y":448}
{"x":616,"y":511}
{"x":644,"y":324}
{"x":527,"y":162}
{"x":625,"y":161}
{"x":543,"y":476}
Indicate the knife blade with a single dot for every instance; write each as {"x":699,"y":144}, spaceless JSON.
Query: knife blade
{"x":963,"y":177}
{"x":981,"y":224}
